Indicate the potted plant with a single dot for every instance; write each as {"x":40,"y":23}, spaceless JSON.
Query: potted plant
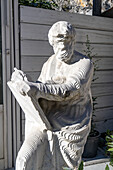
{"x":109,"y":140}
{"x":90,"y":149}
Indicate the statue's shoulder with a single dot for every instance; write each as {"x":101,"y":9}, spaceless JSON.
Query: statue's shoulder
{"x":79,"y":57}
{"x":49,"y":60}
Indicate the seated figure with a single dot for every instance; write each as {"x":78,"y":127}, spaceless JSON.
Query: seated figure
{"x":58,"y":107}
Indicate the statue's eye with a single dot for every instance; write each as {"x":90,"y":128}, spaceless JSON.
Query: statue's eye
{"x":60,"y":36}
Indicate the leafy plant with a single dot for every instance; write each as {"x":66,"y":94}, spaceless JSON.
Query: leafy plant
{"x":39,"y":3}
{"x":81,"y":166}
{"x":109,"y":140}
{"x":89,"y":53}
{"x":107,"y":167}
{"x":66,"y":168}
{"x":64,"y":5}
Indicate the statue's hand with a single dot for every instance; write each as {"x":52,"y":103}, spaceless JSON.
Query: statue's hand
{"x":20,"y":80}
{"x":24,"y":88}
{"x":18,"y":75}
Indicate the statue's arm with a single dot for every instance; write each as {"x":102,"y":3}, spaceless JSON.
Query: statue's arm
{"x":66,"y":90}
{"x":55,"y":92}
{"x":74,"y":84}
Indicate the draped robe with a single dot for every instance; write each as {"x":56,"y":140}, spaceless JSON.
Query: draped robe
{"x":63,"y":102}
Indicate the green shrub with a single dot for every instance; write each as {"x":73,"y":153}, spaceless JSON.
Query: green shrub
{"x":109,"y":140}
{"x":39,"y":3}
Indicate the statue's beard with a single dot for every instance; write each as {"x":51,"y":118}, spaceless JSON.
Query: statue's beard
{"x":64,"y":55}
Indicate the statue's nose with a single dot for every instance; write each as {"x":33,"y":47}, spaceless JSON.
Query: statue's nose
{"x":62,"y":45}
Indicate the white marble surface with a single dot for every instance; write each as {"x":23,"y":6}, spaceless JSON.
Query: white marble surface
{"x":58,"y":107}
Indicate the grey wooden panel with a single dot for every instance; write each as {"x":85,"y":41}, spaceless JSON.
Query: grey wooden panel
{"x":34,"y":15}
{"x":99,"y":87}
{"x":23,"y":115}
{"x":35,"y":49}
{"x":103,"y":114}
{"x":2,"y":163}
{"x":102,"y":89}
{"x":34,"y":63}
{"x":99,"y":50}
{"x":40,"y":32}
{"x":104,"y":63}
{"x":1,"y":132}
{"x":103,"y":77}
{"x":104,"y":101}
{"x":103,"y":126}
{"x":103,"y":120}
{"x":1,"y":93}
{"x":34,"y":31}
{"x":32,"y":76}
{"x":23,"y":127}
{"x":42,"y":48}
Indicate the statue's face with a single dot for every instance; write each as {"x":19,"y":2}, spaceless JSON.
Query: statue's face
{"x":62,"y":38}
{"x":63,"y":47}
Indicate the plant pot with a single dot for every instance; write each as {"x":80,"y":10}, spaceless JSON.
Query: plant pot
{"x":91,"y":146}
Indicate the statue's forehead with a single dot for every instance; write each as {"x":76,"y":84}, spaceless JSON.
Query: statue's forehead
{"x":60,"y":29}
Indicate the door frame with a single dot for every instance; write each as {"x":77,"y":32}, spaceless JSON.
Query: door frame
{"x":10,"y":59}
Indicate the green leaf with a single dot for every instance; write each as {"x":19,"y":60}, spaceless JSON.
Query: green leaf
{"x":110,"y":149}
{"x":108,"y":138}
{"x":111,"y":161}
{"x":66,"y":168}
{"x":81,"y":166}
{"x":110,"y":145}
{"x":107,"y":167}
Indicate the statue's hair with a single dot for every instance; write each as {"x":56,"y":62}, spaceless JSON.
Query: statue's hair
{"x":61,"y":28}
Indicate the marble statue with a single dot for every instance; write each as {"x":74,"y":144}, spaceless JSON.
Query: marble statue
{"x":58,"y":107}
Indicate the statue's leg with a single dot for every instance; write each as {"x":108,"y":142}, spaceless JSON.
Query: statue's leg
{"x":27,"y":156}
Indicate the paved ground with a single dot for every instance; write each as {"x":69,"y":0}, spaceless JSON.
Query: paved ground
{"x":97,"y":163}
{"x":92,"y":167}
{"x":98,"y":167}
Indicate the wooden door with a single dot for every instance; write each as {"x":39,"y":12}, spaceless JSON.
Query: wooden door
{"x":1,"y":138}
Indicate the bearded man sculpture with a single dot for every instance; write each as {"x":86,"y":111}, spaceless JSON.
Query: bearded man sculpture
{"x":58,"y":107}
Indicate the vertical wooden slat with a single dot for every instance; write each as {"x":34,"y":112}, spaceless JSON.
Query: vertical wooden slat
{"x":14,"y":152}
{"x":17,"y":64}
{"x":3,"y":31}
{"x":97,"y":7}
{"x":1,"y":132}
{"x":6,"y":61}
{"x":10,"y":55}
{"x":8,"y":73}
